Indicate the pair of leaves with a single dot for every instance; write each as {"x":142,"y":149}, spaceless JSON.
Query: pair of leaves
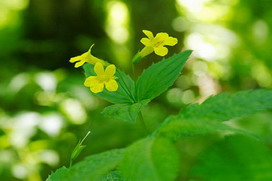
{"x":153,"y":81}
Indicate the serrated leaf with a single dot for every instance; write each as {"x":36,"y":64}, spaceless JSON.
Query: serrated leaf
{"x":207,"y":117}
{"x":235,"y":159}
{"x":91,"y":168}
{"x":160,"y":76}
{"x":175,"y":128}
{"x":150,"y":159}
{"x":125,"y":112}
{"x":126,"y":87}
{"x":223,"y":107}
{"x":59,"y":175}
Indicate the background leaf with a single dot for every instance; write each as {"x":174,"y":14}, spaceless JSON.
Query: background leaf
{"x":150,"y":159}
{"x":223,"y":107}
{"x":175,"y":128}
{"x":205,"y":118}
{"x":235,"y":158}
{"x":125,"y":112}
{"x":160,"y":76}
{"x":126,"y":87}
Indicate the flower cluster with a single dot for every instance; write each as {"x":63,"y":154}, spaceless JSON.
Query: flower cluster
{"x":105,"y":77}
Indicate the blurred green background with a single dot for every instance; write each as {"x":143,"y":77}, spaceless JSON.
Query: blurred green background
{"x":44,"y":107}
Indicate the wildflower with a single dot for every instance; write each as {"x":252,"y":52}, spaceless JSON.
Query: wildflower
{"x":86,"y":57}
{"x":104,"y":78}
{"x":156,"y":43}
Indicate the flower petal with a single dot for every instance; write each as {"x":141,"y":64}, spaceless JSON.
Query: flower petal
{"x":97,"y":88}
{"x":146,"y":51}
{"x":92,"y":59}
{"x":161,"y":37}
{"x":80,"y":63}
{"x":161,"y":51}
{"x":171,"y":41}
{"x":91,"y":81}
{"x":90,"y":49}
{"x":146,"y":41}
{"x":99,"y":69}
{"x":75,"y":59}
{"x":149,"y":34}
{"x":111,"y":85}
{"x":110,"y":70}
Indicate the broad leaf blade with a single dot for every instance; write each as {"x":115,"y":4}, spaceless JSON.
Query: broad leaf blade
{"x":223,"y":107}
{"x":125,"y":112}
{"x":175,"y":128}
{"x":207,"y":117}
{"x":235,"y":159}
{"x":150,"y":159}
{"x":160,"y":76}
{"x":126,"y":87}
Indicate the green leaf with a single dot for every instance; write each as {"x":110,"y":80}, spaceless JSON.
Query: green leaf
{"x":126,"y":87}
{"x":112,"y":176}
{"x":235,"y":159}
{"x":92,"y":168}
{"x":150,"y":159}
{"x":175,"y":128}
{"x":225,"y":106}
{"x":59,"y":175}
{"x":125,"y":112}
{"x":207,"y":117}
{"x":160,"y":76}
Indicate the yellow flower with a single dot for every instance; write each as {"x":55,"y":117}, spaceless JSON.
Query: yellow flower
{"x":86,"y":57}
{"x":104,"y":78}
{"x":156,"y":43}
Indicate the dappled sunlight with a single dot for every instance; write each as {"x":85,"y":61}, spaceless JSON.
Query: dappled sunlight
{"x":74,"y":111}
{"x":117,"y":21}
{"x":45,"y":109}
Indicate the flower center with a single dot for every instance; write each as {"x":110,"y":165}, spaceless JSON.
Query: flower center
{"x":104,"y":78}
{"x":158,"y":43}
